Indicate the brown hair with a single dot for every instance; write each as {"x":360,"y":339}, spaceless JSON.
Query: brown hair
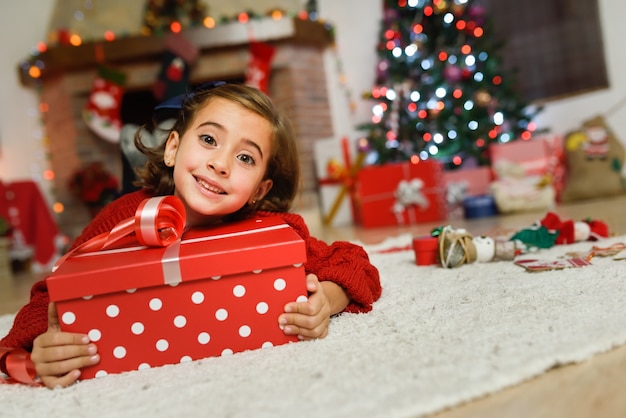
{"x":283,"y":167}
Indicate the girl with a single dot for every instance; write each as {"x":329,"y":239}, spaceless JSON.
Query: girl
{"x":229,"y":156}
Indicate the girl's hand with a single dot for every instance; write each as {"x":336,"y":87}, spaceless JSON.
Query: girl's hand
{"x":58,"y":356}
{"x":310,"y":319}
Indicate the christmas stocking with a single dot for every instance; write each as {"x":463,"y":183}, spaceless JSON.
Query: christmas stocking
{"x":102,"y":113}
{"x":173,"y":77}
{"x":258,"y":72}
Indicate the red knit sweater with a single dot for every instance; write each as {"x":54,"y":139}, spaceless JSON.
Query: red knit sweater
{"x":341,"y":262}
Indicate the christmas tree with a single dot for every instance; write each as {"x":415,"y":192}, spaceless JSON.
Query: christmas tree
{"x":440,"y":90}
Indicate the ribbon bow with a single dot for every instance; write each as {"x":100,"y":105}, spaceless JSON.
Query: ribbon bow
{"x":15,"y":363}
{"x":158,"y":222}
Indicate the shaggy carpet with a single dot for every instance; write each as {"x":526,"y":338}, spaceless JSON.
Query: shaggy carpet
{"x":436,"y":338}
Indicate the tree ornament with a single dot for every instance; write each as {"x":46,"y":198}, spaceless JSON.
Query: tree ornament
{"x":452,"y":73}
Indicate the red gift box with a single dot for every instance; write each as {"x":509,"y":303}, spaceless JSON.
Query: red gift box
{"x":401,"y":193}
{"x":216,"y":291}
{"x":476,"y":179}
{"x":538,"y":156}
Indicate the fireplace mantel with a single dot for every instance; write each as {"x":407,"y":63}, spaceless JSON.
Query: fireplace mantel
{"x":135,"y":49}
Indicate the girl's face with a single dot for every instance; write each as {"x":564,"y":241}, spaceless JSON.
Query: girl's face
{"x":220,"y":162}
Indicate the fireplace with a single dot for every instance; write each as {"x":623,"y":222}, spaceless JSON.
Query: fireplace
{"x":297,"y":86}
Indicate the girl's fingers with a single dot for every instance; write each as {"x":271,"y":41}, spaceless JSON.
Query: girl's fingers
{"x":64,"y":367}
{"x":53,"y":382}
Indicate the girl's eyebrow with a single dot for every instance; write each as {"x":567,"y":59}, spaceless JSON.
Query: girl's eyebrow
{"x":246,"y":140}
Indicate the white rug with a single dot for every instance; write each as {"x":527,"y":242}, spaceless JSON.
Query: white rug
{"x":435,"y":339}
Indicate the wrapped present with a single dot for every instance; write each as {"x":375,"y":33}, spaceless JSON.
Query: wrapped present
{"x":205,"y":292}
{"x":401,"y":193}
{"x":542,"y":156}
{"x":477,"y":180}
{"x":336,"y":171}
{"x":465,"y":184}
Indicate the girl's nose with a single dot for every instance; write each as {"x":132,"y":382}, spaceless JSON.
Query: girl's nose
{"x":218,"y":163}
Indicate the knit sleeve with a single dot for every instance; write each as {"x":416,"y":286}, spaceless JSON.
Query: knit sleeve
{"x":30,"y":321}
{"x":32,"y":318}
{"x":341,"y":262}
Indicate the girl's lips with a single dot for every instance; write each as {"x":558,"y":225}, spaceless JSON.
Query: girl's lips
{"x":210,"y":186}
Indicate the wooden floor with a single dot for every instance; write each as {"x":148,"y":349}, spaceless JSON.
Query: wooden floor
{"x":595,"y":388}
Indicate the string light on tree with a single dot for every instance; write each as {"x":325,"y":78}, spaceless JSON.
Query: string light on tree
{"x":440,"y":90}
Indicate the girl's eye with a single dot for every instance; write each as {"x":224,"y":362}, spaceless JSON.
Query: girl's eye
{"x":207,"y":139}
{"x":247,"y":159}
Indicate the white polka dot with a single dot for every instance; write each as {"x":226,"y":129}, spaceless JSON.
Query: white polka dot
{"x":143,"y":366}
{"x":280,"y":284}
{"x":162,"y":345}
{"x":204,"y":338}
{"x":88,"y":297}
{"x":174,"y":284}
{"x":101,"y":373}
{"x":239,"y":290}
{"x":221,"y":314}
{"x":298,"y":265}
{"x":185,"y":359}
{"x":244,"y":331}
{"x":156,"y":304}
{"x":197,"y":297}
{"x":267,"y":344}
{"x":131,"y":290}
{"x":302,"y":298}
{"x":94,"y":335}
{"x":68,"y":318}
{"x":180,"y":321}
{"x":257,"y":271}
{"x":112,"y":311}
{"x":137,"y":328}
{"x":262,"y":307}
{"x":119,"y":352}
{"x":227,"y":352}
{"x":216,"y":277}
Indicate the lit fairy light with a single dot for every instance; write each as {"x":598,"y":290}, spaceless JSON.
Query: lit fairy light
{"x":448,"y":18}
{"x":483,"y":56}
{"x":498,"y":118}
{"x":378,"y":110}
{"x":438,"y":138}
{"x":479,"y":76}
{"x":452,"y":134}
{"x":505,"y":137}
{"x":396,"y":52}
{"x":468,"y":105}
{"x":452,"y":59}
{"x":391,"y":95}
{"x":424,"y":155}
{"x":440,"y":92}
{"x":415,"y":95}
{"x":392,"y":143}
{"x":410,"y":50}
{"x":470,"y":60}
{"x":433,"y":149}
{"x":427,"y":64}
{"x":473,"y":125}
